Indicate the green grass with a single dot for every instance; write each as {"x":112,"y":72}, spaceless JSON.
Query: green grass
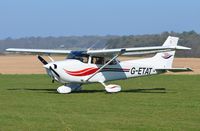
{"x":165,"y":102}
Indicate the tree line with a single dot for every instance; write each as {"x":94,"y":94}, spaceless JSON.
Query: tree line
{"x":190,"y":39}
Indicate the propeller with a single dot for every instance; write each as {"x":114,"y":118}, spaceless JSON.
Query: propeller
{"x":54,"y":71}
{"x":50,"y":68}
{"x":42,"y":60}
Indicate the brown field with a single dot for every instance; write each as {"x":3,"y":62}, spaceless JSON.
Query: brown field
{"x":29,"y":64}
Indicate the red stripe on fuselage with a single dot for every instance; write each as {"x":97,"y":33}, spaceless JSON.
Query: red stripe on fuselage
{"x":79,"y":70}
{"x":89,"y":71}
{"x":84,"y":72}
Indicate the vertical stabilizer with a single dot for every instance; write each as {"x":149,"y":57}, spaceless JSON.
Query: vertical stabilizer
{"x":164,"y":60}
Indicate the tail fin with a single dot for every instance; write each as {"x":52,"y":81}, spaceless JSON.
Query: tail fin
{"x":164,"y":60}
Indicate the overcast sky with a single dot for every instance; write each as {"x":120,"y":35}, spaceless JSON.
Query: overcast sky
{"x":23,"y":18}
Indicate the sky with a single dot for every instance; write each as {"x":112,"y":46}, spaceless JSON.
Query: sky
{"x":25,"y":18}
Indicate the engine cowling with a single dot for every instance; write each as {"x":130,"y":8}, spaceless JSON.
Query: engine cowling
{"x":112,"y":88}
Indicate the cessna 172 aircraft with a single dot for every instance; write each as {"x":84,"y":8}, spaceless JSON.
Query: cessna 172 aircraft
{"x":91,"y":66}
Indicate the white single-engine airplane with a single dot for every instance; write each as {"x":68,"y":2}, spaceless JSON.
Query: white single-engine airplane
{"x":91,"y":66}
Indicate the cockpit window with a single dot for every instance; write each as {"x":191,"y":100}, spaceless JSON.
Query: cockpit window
{"x":78,"y":55}
{"x":97,"y":60}
{"x":103,"y":60}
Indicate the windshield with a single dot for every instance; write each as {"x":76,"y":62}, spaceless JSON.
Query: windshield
{"x":78,"y":55}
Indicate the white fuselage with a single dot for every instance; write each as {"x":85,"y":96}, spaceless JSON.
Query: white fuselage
{"x":88,"y":66}
{"x":75,"y":71}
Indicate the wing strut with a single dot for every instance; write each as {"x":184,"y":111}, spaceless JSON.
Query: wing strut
{"x":122,"y":51}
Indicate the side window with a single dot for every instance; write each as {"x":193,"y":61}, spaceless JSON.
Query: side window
{"x":114,"y":62}
{"x":97,"y":60}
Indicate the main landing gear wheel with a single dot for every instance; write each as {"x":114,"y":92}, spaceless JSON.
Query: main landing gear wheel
{"x":112,"y":88}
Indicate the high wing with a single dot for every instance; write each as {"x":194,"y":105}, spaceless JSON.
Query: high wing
{"x":169,"y":45}
{"x":136,"y":51}
{"x":106,"y":52}
{"x":38,"y":51}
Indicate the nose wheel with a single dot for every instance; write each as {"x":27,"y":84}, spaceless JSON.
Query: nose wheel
{"x":64,"y":89}
{"x":68,"y":88}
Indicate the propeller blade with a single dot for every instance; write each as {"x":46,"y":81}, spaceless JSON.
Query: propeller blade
{"x":54,"y":71}
{"x":42,"y":60}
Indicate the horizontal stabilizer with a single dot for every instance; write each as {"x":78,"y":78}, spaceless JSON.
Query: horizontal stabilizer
{"x":175,"y":70}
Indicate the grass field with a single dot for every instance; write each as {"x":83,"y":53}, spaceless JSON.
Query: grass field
{"x":165,"y":102}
